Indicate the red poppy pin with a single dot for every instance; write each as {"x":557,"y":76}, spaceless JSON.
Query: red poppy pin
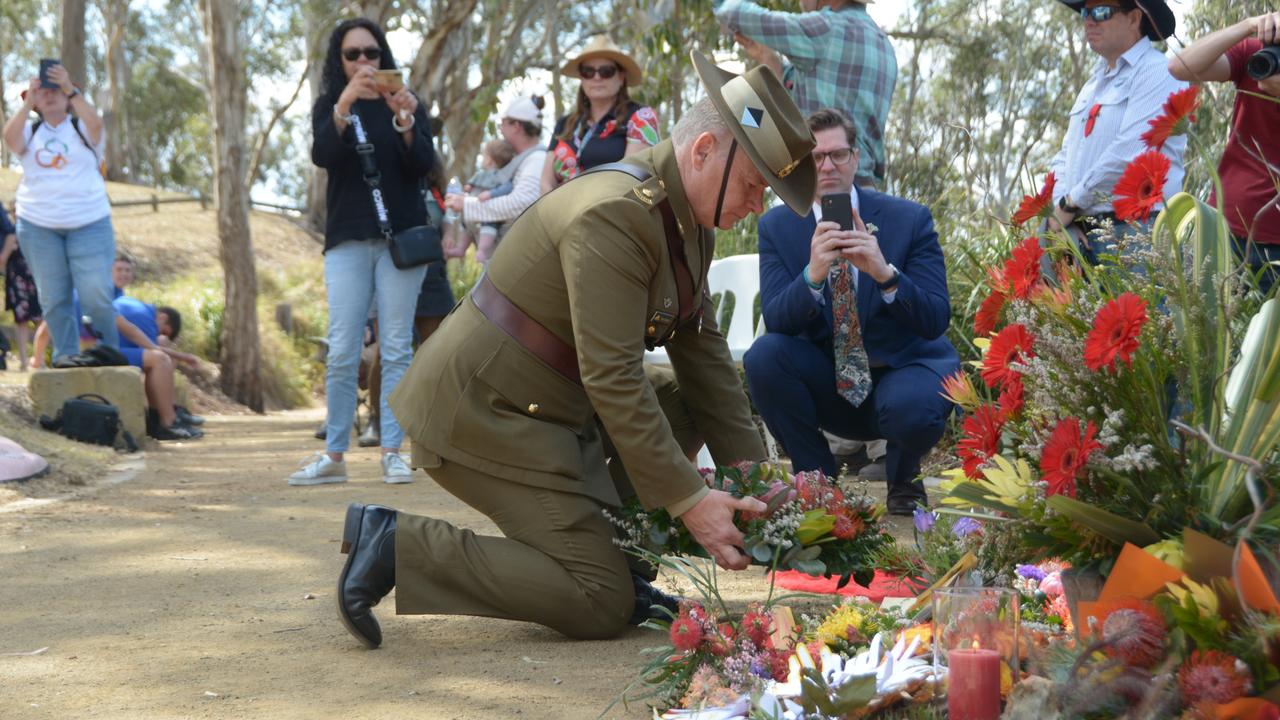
{"x":1093,"y":118}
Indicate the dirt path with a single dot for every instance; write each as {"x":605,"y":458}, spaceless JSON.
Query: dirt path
{"x":204,"y":588}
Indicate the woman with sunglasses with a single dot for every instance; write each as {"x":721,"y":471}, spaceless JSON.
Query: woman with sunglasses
{"x":358,"y":271}
{"x":605,"y":124}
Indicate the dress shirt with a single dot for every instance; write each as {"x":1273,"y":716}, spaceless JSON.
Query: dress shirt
{"x":1127,"y":96}
{"x":817,"y":218}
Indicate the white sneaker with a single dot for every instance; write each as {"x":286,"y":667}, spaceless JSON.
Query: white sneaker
{"x":319,"y":469}
{"x":395,"y":471}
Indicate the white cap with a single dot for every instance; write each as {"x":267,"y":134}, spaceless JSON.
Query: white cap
{"x":523,"y":109}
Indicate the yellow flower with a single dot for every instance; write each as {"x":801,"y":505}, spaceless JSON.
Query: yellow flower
{"x":1168,"y":551}
{"x":1203,"y":596}
{"x":836,"y":626}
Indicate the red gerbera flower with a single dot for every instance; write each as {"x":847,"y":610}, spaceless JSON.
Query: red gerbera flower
{"x":1212,"y":677}
{"x":1033,"y":205}
{"x":988,"y":315}
{"x":981,"y":439}
{"x":1141,"y":187}
{"x":1179,"y":113}
{"x":1011,"y":397}
{"x":1115,"y":332}
{"x":1065,"y":455}
{"x":1011,"y":344}
{"x":1022,"y":270}
{"x":1092,"y":119}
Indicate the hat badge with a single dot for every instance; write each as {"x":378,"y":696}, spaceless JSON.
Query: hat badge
{"x":752,"y":117}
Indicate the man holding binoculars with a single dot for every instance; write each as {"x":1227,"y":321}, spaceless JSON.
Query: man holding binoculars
{"x":1248,"y":55}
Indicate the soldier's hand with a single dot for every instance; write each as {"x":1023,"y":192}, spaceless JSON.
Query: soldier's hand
{"x":827,"y":244}
{"x":711,"y":523}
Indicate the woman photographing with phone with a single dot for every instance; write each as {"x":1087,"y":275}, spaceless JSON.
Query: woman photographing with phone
{"x":64,"y":217}
{"x":355,"y":110}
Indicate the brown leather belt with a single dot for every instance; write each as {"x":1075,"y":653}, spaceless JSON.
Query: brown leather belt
{"x":531,"y":334}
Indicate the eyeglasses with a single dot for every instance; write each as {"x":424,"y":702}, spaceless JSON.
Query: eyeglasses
{"x":353,"y":54}
{"x":1100,"y":13}
{"x":604,"y":71}
{"x":838,"y":157}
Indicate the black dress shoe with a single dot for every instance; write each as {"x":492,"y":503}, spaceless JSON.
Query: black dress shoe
{"x":369,"y":541}
{"x":187,"y":417}
{"x":650,"y":602}
{"x":905,"y":506}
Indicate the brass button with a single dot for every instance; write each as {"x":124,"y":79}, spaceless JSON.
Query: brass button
{"x":652,"y":329}
{"x":533,"y":408}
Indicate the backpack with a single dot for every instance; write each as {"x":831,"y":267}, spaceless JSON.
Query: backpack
{"x":75,"y":125}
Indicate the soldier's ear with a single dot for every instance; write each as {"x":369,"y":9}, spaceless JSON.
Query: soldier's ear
{"x":703,"y":149}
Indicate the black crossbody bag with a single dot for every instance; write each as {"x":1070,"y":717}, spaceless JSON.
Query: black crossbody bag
{"x":419,"y":245}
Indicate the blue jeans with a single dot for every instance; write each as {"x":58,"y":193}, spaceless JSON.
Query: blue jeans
{"x":356,"y":274}
{"x":76,"y":259}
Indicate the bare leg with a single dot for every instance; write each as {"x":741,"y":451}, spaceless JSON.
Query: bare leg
{"x":157,"y":367}
{"x":40,"y":345}
{"x":23,"y":331}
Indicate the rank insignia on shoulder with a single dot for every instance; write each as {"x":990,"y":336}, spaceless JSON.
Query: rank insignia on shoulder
{"x":644,"y":194}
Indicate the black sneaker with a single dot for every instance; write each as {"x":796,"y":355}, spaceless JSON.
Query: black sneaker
{"x":174,"y":432}
{"x":186,"y":417}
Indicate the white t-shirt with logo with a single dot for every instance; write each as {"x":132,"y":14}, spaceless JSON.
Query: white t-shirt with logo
{"x":61,"y":186}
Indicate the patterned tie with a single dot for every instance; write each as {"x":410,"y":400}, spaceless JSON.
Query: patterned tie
{"x":853,"y":372}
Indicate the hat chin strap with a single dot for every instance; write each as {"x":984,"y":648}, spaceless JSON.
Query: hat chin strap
{"x":724,"y":183}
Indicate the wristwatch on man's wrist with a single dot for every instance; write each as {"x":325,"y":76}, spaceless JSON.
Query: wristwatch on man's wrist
{"x":74,"y":92}
{"x":1065,"y":205}
{"x":892,"y":282}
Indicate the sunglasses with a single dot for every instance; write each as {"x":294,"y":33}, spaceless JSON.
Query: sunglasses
{"x":604,"y":71}
{"x":353,"y":54}
{"x":838,"y":157}
{"x":1100,"y":13}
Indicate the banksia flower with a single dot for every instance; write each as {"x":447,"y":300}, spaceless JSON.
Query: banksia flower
{"x":1135,"y":633}
{"x":1212,"y":677}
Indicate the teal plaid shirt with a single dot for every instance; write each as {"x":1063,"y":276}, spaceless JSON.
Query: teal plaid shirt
{"x":840,"y":59}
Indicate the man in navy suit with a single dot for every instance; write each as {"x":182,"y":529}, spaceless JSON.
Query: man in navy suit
{"x":896,"y":274}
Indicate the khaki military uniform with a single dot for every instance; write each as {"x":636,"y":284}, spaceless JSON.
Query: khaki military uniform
{"x":509,"y":435}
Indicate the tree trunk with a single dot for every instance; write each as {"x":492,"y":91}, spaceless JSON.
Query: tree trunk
{"x":113,"y":108}
{"x":73,"y":40}
{"x":317,"y":183}
{"x":240,"y":353}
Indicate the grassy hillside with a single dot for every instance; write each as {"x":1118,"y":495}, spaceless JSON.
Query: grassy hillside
{"x":176,"y":251}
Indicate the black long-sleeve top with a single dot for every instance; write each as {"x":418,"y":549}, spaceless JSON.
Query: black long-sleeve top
{"x":350,"y":208}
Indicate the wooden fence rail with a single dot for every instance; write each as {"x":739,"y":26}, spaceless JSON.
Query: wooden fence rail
{"x":155,"y":201}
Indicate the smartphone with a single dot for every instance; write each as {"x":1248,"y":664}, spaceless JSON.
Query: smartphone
{"x":389,"y":80}
{"x":45,"y":64}
{"x":837,"y":208}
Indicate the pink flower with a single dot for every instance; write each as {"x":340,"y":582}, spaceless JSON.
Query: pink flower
{"x":1051,"y":585}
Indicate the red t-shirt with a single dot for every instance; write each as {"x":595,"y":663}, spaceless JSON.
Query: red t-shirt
{"x":1255,"y":124}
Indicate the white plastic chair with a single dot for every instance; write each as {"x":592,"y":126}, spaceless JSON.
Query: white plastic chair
{"x":737,"y":276}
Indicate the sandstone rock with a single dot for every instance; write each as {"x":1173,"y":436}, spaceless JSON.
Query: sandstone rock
{"x":121,"y":386}
{"x":1032,"y":699}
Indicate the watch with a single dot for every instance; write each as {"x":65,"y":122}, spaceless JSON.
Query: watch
{"x":74,"y":92}
{"x":1067,"y":207}
{"x":892,"y":282}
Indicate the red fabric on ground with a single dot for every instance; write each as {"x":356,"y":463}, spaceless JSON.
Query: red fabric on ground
{"x":882,"y":586}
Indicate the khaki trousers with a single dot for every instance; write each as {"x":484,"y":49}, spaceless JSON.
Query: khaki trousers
{"x":557,"y":565}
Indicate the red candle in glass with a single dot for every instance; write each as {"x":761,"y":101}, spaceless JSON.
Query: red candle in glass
{"x":973,"y":684}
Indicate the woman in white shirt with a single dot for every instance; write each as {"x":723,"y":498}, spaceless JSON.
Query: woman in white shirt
{"x":521,"y":126}
{"x":64,"y":217}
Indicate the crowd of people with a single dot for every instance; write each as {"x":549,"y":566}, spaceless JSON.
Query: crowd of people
{"x":529,"y":399}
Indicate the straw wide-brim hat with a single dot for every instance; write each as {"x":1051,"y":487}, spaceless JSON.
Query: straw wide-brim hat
{"x":602,"y":46}
{"x":767,"y":124}
{"x":1158,"y":20}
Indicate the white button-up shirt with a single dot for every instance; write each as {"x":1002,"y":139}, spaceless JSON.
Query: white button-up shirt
{"x":1128,"y":96}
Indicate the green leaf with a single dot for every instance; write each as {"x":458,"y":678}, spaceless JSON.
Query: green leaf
{"x":761,"y":552}
{"x":815,"y":524}
{"x":1107,"y":524}
{"x":659,"y":536}
{"x":856,"y":693}
{"x":974,"y":494}
{"x":817,"y":568}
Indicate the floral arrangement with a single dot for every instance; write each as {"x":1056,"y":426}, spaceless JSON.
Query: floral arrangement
{"x":1066,"y":448}
{"x":810,"y":524}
